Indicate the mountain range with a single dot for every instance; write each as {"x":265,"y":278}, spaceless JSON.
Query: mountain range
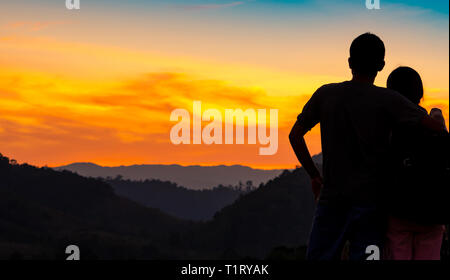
{"x":43,"y":210}
{"x":181,"y":202}
{"x":192,"y":177}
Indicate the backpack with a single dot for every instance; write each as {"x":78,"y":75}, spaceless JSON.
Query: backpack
{"x":419,"y":188}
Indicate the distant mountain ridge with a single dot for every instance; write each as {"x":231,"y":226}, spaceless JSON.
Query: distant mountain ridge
{"x":192,"y":177}
{"x":43,"y":210}
{"x":187,"y":204}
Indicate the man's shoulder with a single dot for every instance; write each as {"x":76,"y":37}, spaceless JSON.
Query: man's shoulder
{"x":376,"y":91}
{"x":388,"y":94}
{"x":349,"y":87}
{"x":384,"y":90}
{"x":331,"y":88}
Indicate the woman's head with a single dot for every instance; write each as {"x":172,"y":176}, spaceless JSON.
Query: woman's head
{"x":407,"y":82}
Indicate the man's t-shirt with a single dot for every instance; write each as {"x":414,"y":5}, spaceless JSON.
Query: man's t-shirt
{"x":356,"y":120}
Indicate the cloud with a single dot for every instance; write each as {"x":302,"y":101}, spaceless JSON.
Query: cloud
{"x":127,"y":112}
{"x":213,"y":6}
{"x":34,"y":25}
{"x":125,"y":123}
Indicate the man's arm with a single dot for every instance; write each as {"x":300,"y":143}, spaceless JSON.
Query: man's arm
{"x":404,"y":111}
{"x":432,"y":124}
{"x":296,"y":137}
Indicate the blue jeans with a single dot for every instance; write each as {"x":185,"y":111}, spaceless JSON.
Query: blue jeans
{"x":335,"y":224}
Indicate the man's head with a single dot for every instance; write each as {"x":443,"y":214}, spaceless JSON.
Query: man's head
{"x":367,"y":55}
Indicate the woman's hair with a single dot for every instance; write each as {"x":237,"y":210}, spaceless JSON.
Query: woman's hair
{"x":407,"y":82}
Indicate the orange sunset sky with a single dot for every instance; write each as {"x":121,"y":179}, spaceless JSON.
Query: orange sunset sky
{"x":98,"y":84}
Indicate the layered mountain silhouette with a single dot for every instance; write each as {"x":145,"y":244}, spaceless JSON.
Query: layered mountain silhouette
{"x":277,"y":214}
{"x":42,"y":211}
{"x":198,"y":205}
{"x":192,"y":177}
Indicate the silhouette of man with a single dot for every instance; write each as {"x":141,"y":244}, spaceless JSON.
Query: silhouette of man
{"x":355,"y":118}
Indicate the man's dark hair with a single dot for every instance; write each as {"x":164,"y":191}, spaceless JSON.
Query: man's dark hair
{"x":367,"y":54}
{"x":407,"y":82}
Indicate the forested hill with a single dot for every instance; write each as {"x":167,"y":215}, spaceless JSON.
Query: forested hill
{"x":197,"y":205}
{"x":42,"y":211}
{"x":278,"y":213}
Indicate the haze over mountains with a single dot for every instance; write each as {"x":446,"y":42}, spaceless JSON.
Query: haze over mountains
{"x":181,"y":202}
{"x":43,"y":210}
{"x":187,"y":204}
{"x":192,"y":177}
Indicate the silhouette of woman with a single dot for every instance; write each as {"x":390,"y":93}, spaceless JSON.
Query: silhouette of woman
{"x":408,"y":239}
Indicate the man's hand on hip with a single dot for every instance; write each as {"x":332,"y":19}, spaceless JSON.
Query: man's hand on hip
{"x":316,"y":185}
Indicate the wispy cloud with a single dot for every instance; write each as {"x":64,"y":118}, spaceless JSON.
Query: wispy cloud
{"x":42,"y":122}
{"x":213,"y":6}
{"x":33,"y":25}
